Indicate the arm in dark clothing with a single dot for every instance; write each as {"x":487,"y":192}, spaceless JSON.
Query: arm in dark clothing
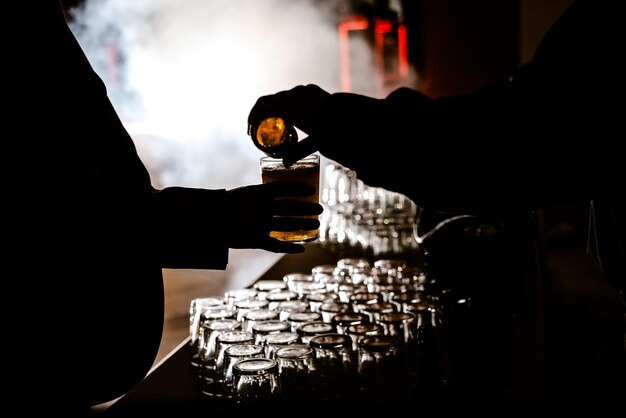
{"x":548,"y":134}
{"x":92,"y":146}
{"x":93,"y":233}
{"x":541,"y":137}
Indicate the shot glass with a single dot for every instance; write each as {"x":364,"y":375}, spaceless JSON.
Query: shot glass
{"x":213,"y":385}
{"x":262,"y":329}
{"x":335,"y":360}
{"x":233,"y":355}
{"x":380,"y":368}
{"x":255,"y":382}
{"x":274,"y":342}
{"x":210,"y":331}
{"x":298,"y":374}
{"x":197,"y":307}
{"x":206,"y":316}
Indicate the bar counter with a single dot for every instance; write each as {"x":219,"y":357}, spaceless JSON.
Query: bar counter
{"x":172,"y":385}
{"x":172,"y":388}
{"x":496,"y":348}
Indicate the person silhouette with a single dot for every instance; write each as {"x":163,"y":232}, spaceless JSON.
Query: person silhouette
{"x":94,"y":248}
{"x":542,"y":137}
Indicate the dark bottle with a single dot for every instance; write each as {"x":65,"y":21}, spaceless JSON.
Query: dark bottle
{"x":272,"y":136}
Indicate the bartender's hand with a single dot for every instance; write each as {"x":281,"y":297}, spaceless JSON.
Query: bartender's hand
{"x":341,"y":126}
{"x":366,"y":134}
{"x":297,"y":107}
{"x":254,"y":210}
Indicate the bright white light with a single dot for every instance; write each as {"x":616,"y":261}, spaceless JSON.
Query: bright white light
{"x":191,"y":70}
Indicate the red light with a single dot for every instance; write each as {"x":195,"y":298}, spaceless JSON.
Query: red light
{"x":388,"y":71}
{"x":345,"y":27}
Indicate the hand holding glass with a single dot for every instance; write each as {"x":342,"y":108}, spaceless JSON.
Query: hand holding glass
{"x":306,"y":170}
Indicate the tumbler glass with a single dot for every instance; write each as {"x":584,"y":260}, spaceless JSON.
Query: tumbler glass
{"x":306,"y":170}
{"x":245,"y":306}
{"x":400,"y":324}
{"x":197,"y":307}
{"x":227,"y":339}
{"x":330,"y":309}
{"x":255,"y":382}
{"x":214,"y":387}
{"x":335,"y":360}
{"x":358,"y":331}
{"x":342,"y":321}
{"x":262,"y":329}
{"x":276,"y":297}
{"x":288,"y":307}
{"x":298,"y":318}
{"x":260,"y":315}
{"x":235,"y":295}
{"x":374,"y":310}
{"x":210,"y":331}
{"x":317,"y":299}
{"x":380,"y":368}
{"x":309,"y":330}
{"x":232,"y":356}
{"x":360,"y":299}
{"x":208,"y":315}
{"x":263,"y":287}
{"x":297,"y":372}
{"x":274,"y":342}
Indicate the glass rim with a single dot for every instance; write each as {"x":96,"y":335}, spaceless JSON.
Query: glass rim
{"x":310,"y":157}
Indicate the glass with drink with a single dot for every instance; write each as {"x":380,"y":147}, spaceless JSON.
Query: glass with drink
{"x":306,"y":170}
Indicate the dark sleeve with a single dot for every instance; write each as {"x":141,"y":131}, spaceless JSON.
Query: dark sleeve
{"x":90,"y":231}
{"x":192,"y":228}
{"x":84,"y":152}
{"x":542,"y":136}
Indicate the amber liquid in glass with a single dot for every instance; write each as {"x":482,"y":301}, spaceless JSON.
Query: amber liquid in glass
{"x":307,"y":171}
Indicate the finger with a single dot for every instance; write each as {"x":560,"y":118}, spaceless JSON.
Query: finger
{"x":262,"y":109}
{"x":288,"y":224}
{"x":296,"y":208}
{"x":289,"y":188}
{"x":299,"y":150}
{"x":272,"y":105}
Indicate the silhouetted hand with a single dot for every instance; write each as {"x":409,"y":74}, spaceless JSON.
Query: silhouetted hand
{"x":297,"y":107}
{"x":255,"y":211}
{"x":365,"y":134}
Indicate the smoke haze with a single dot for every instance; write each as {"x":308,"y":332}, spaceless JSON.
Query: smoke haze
{"x":183,"y":75}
